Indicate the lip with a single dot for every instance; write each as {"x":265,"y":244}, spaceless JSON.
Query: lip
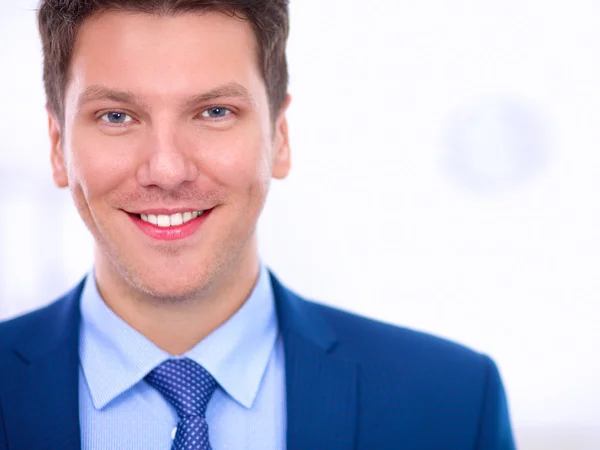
{"x":178,"y":232}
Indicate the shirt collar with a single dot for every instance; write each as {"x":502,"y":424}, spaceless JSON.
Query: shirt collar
{"x":115,"y":357}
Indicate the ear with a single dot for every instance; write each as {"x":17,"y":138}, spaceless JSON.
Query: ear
{"x":281,"y":157}
{"x":57,"y":159}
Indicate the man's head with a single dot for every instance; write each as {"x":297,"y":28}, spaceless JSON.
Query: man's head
{"x":159,"y":109}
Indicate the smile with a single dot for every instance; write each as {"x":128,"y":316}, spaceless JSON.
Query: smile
{"x":170,"y":227}
{"x":173,"y":220}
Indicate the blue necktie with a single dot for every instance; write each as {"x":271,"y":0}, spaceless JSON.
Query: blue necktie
{"x":188,"y":387}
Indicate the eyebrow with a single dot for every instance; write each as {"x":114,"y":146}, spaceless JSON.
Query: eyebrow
{"x":98,"y":92}
{"x":227,"y":90}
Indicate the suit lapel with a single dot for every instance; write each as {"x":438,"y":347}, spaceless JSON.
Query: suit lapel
{"x":321,"y":388}
{"x":41,"y":405}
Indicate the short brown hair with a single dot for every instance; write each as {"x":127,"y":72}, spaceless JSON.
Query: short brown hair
{"x":60,"y":20}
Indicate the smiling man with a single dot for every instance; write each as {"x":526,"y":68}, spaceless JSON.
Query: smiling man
{"x":167,"y":122}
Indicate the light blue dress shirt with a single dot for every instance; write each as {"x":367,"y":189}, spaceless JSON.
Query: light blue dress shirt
{"x":119,"y":410}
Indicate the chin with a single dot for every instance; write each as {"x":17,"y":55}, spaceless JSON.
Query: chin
{"x":166,"y":285}
{"x":172,"y":290}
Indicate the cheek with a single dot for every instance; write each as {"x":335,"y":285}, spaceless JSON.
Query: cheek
{"x":240,"y":162}
{"x":98,"y":163}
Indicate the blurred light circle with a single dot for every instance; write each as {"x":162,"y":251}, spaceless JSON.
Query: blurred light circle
{"x":495,"y":145}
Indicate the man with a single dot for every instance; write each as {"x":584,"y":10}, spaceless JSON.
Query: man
{"x":167,"y":121}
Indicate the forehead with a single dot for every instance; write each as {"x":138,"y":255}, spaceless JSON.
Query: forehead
{"x":165,"y":55}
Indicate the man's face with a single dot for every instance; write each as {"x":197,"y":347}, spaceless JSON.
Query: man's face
{"x":166,"y":117}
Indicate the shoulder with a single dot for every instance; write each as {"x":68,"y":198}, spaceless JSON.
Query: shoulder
{"x":378,"y":347}
{"x":368,"y":340}
{"x":406,"y":363}
{"x":442,"y":388}
{"x":44,"y":324}
{"x":14,"y":330}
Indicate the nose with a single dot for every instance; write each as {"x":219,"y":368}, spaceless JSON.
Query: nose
{"x":167,"y":163}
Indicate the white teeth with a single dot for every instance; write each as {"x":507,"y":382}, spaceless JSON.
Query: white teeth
{"x":176,"y":219}
{"x":173,"y":220}
{"x":163,"y":221}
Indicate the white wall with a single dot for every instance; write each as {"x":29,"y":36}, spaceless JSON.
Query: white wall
{"x":446,"y":175}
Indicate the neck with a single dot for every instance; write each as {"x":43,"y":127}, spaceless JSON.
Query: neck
{"x":176,"y":327}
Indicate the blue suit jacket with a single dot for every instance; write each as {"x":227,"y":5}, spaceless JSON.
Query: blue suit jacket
{"x":352,"y":383}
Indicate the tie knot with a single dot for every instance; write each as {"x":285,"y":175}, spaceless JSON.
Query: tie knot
{"x":185,"y":384}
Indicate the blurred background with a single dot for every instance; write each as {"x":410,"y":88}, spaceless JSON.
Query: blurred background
{"x":446,"y":178}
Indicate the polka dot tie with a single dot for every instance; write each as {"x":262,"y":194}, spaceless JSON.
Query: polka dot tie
{"x":188,"y":387}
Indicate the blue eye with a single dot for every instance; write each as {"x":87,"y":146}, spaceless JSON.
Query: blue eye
{"x":116,"y":117}
{"x":216,"y":112}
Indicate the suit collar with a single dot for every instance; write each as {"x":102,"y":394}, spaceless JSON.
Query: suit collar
{"x":295,"y":316}
{"x":321,"y":387}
